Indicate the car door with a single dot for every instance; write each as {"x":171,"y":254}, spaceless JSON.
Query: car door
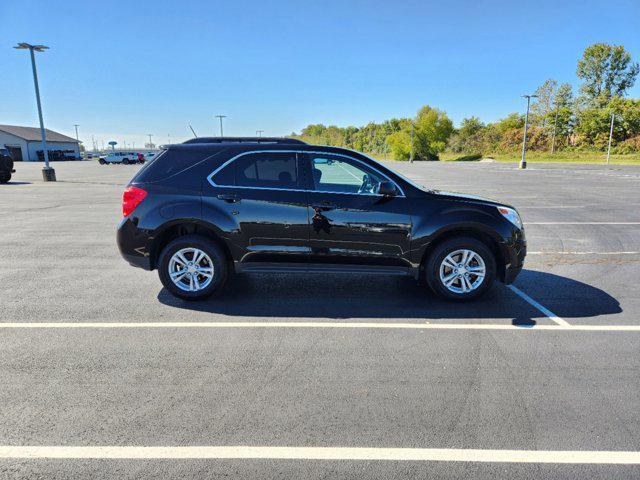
{"x":263,"y":206}
{"x":350,"y":223}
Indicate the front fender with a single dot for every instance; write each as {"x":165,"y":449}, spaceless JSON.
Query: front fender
{"x":463,"y":218}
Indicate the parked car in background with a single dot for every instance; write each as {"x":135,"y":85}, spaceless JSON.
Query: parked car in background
{"x":6,"y":165}
{"x":209,"y":207}
{"x":123,"y":157}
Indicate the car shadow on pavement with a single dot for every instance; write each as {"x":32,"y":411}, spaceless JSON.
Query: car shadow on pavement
{"x":350,"y":296}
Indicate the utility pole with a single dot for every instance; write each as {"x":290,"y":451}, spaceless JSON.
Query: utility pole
{"x":48,"y":173}
{"x":150,"y":142}
{"x":553,"y":138}
{"x":78,"y":139}
{"x":259,"y":133}
{"x":610,"y":137}
{"x":221,"y":117}
{"x":413,"y":126}
{"x":523,"y":162}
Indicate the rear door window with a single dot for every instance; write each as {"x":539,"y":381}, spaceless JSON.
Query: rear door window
{"x":278,"y":170}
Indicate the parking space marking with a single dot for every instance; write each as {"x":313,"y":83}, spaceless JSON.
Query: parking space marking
{"x":552,"y":316}
{"x":323,"y":453}
{"x":582,"y":223}
{"x":543,"y":252}
{"x":326,"y":325}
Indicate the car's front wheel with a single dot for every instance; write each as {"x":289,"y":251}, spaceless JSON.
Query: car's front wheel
{"x":5,"y":177}
{"x":193,"y":267}
{"x":461,"y":268}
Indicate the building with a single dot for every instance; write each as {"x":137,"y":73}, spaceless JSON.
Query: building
{"x":25,"y":144}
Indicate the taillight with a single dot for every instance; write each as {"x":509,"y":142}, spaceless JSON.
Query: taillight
{"x":131,"y":198}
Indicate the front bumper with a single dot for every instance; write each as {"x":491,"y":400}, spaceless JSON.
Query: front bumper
{"x":514,"y":255}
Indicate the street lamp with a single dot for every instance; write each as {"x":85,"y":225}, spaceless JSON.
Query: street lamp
{"x":259,"y":133}
{"x":221,"y":117}
{"x":48,"y":173}
{"x":523,"y":162}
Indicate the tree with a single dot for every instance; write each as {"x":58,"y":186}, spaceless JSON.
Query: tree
{"x":432,"y":130}
{"x":544,"y":105}
{"x":606,"y":71}
{"x":563,"y":96}
{"x":400,"y":144}
{"x":470,"y":126}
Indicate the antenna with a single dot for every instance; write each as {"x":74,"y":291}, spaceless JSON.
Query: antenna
{"x":193,"y":131}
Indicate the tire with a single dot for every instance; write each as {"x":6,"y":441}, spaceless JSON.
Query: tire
{"x":125,"y":161}
{"x":5,"y":177}
{"x":217,"y":258}
{"x":462,"y":287}
{"x":101,"y":161}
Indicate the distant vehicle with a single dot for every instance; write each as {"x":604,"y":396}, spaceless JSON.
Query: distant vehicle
{"x":6,"y":165}
{"x":206,"y":208}
{"x":125,"y":158}
{"x":150,"y":155}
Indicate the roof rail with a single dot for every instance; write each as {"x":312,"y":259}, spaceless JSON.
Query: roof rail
{"x":246,"y":140}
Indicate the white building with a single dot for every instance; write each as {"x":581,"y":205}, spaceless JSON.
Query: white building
{"x":24,"y":143}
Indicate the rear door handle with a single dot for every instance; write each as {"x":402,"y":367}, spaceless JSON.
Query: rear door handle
{"x":325,"y":206}
{"x":229,"y":198}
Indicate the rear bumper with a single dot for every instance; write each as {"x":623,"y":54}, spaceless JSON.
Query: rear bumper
{"x":132,"y":243}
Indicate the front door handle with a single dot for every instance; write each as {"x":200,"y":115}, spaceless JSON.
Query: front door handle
{"x":229,"y":198}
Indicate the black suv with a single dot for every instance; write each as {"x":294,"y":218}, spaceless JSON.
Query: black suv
{"x":6,"y":165}
{"x":209,"y":207}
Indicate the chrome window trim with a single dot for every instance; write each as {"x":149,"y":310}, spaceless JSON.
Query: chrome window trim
{"x":213,"y":184}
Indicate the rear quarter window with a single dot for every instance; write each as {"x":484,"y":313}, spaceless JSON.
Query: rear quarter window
{"x":168,"y":163}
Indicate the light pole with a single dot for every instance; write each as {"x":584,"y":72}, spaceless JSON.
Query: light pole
{"x":48,"y":173}
{"x":523,"y":162}
{"x":150,"y":142}
{"x":259,"y":133}
{"x":610,"y":136}
{"x":221,"y":117}
{"x":553,"y":138}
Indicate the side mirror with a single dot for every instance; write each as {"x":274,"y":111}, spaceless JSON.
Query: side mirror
{"x":387,"y":189}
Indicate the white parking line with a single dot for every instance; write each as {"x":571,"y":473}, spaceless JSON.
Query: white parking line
{"x":543,"y":252}
{"x":582,"y":223}
{"x":338,"y":325}
{"x":552,"y":316}
{"x":324,"y":453}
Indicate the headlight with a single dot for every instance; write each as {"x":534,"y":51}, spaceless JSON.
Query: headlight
{"x":511,"y":215}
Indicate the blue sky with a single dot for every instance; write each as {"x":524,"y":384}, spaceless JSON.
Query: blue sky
{"x":123,"y":69}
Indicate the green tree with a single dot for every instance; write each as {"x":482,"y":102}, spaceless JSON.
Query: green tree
{"x":432,"y":130}
{"x":541,"y":108}
{"x":606,"y":71}
{"x":400,"y":144}
{"x":594,"y":123}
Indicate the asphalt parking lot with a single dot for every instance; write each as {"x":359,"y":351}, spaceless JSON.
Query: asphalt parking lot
{"x":311,"y":371}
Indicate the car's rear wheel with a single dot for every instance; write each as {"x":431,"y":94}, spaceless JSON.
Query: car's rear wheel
{"x":5,"y":177}
{"x":125,"y":161}
{"x":193,"y":267}
{"x":461,"y":268}
{"x":102,"y":161}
